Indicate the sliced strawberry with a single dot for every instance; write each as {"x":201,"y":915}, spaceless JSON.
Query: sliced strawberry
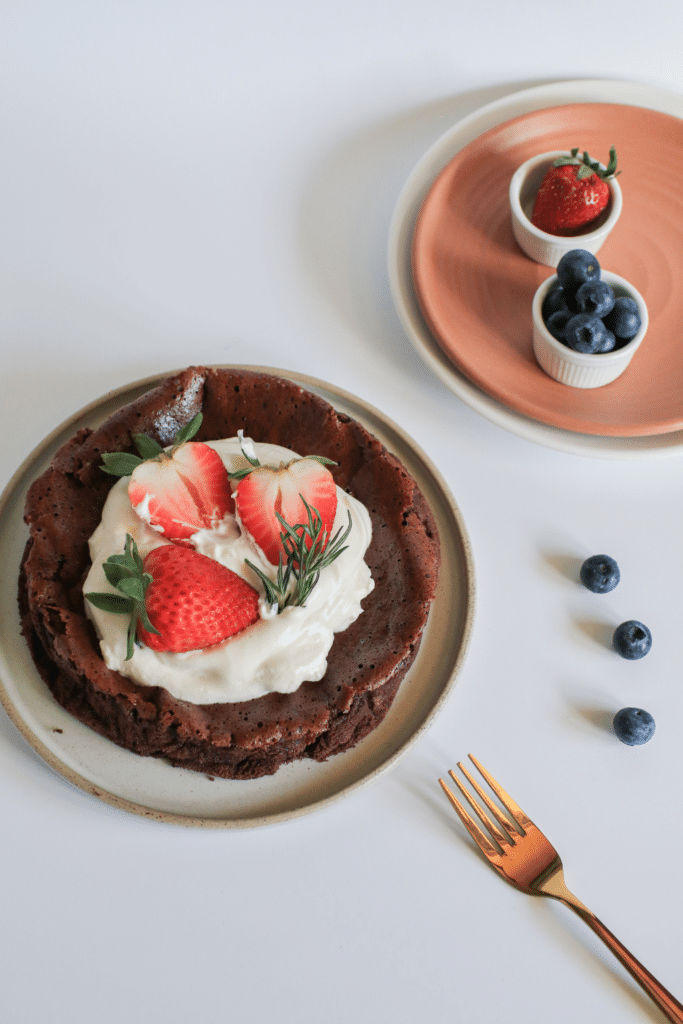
{"x":193,"y":601}
{"x":265,"y":491}
{"x":182,"y":491}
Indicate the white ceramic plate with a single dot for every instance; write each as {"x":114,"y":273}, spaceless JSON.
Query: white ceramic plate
{"x":152,"y":788}
{"x":400,"y":271}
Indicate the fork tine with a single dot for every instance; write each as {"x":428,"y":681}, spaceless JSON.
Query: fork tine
{"x":502,"y":840}
{"x":484,"y":844}
{"x":508,"y":803}
{"x":495,"y":811}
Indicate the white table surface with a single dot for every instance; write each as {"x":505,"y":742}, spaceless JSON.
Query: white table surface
{"x":213,"y":182}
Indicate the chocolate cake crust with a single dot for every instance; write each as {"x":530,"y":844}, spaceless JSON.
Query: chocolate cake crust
{"x":246,"y":740}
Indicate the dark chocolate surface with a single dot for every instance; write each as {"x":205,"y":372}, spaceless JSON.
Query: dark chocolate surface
{"x":245,"y":740}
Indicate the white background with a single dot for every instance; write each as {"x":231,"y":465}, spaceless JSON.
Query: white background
{"x":212,"y":182}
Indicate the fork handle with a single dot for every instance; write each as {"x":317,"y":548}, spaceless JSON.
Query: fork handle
{"x":670,"y":1006}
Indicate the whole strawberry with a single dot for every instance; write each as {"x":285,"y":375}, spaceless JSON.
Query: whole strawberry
{"x":178,"y":599}
{"x":573,"y":193}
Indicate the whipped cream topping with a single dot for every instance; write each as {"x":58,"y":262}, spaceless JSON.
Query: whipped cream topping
{"x":277,"y":653}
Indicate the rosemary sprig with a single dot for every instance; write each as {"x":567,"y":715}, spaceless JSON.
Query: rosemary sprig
{"x":307,"y":552}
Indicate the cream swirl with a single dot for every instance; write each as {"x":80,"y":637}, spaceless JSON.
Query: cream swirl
{"x":277,"y":653}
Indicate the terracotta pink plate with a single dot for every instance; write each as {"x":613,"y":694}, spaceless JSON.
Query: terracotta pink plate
{"x":475,"y":286}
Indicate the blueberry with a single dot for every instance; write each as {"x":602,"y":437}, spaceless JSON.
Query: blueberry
{"x":576,"y":267}
{"x":634,"y":726}
{"x":600,"y":573}
{"x":554,"y":302}
{"x":624,"y":318}
{"x":557,"y":323}
{"x":632,"y":640}
{"x":595,"y":297}
{"x":587,"y":333}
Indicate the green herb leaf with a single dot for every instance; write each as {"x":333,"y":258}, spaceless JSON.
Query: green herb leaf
{"x":272,"y":594}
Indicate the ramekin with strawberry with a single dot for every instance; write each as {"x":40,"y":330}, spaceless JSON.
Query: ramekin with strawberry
{"x":558,"y":195}
{"x":573,"y":193}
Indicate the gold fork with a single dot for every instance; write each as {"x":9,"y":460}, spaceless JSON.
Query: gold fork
{"x":525,"y":858}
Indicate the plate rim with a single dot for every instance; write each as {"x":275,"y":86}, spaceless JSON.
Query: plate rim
{"x":417,"y":185}
{"x":126,"y":393}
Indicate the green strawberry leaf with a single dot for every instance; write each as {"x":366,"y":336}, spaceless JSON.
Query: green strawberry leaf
{"x":114,"y":573}
{"x":135,"y":586}
{"x":147,"y":446}
{"x":322,"y":460}
{"x":564,"y":161}
{"x":120,"y":463}
{"x":125,"y":573}
{"x":115,"y":603}
{"x":124,"y":463}
{"x":189,"y":430}
{"x":587,"y":166}
{"x":239,"y":474}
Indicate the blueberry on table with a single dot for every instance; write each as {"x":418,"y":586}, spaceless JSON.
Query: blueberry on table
{"x":600,"y":573}
{"x":632,"y":640}
{"x":587,"y":333}
{"x":575,"y":268}
{"x":634,"y":726}
{"x":595,"y":297}
{"x":624,"y":318}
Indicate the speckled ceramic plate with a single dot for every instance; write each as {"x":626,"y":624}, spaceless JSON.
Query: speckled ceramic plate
{"x":469,"y":273}
{"x":152,"y":788}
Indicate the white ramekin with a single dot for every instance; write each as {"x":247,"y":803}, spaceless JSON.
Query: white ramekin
{"x":581,"y":369}
{"x":539,"y":245}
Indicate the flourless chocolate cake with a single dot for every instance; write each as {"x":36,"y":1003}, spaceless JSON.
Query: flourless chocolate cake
{"x":248,"y":739}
